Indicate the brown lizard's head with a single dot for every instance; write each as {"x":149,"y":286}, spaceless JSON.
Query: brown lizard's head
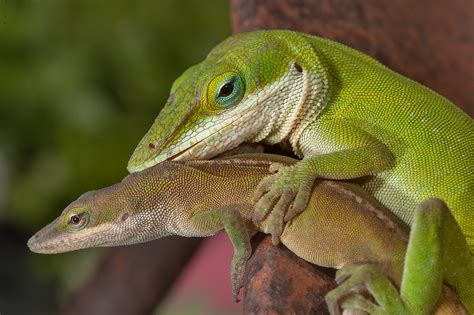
{"x":121,"y":214}
{"x":94,"y":219}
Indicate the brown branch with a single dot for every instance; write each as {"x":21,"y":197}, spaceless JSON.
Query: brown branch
{"x":279,"y":282}
{"x":132,"y":279}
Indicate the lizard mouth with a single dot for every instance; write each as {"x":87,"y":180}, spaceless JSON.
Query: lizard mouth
{"x":43,"y":242}
{"x":187,"y":152}
{"x":177,"y":155}
{"x":184,"y":151}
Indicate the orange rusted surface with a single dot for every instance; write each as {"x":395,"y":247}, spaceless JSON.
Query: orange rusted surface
{"x":279,"y":282}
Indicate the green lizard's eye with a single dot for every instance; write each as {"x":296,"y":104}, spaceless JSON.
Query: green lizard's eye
{"x":230,"y":90}
{"x":78,"y":221}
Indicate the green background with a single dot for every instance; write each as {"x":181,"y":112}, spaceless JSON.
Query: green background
{"x":81,"y":81}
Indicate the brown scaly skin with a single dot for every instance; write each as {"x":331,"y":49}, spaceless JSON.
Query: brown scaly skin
{"x":344,"y":227}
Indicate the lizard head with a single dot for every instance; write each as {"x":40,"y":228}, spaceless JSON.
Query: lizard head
{"x":94,"y":219}
{"x":143,"y":206}
{"x":250,"y":88}
{"x":116,"y":215}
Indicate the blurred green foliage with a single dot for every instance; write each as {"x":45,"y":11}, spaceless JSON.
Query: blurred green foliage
{"x":81,"y":81}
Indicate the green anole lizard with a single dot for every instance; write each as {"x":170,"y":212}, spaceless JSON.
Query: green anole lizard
{"x":343,"y":227}
{"x":344,"y":113}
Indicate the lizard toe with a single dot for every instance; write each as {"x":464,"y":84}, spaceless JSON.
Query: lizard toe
{"x":276,"y":216}
{"x":264,"y":205}
{"x":264,"y":186}
{"x":300,"y":201}
{"x":358,"y":304}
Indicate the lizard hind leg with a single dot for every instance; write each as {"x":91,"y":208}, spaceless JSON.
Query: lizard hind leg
{"x":437,"y":251}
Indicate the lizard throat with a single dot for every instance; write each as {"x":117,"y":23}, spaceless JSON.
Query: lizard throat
{"x":286,"y":102}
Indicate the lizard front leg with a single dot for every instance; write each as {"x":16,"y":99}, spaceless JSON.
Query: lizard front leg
{"x":332,"y":149}
{"x":239,"y":236}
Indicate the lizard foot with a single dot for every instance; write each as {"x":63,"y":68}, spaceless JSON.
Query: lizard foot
{"x":281,"y":197}
{"x":359,"y":286}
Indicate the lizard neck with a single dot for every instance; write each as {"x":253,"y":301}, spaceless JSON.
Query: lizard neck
{"x":293,"y":107}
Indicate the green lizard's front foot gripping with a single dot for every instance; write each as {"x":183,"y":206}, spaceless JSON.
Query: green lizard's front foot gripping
{"x":282,"y":196}
{"x":356,"y":281}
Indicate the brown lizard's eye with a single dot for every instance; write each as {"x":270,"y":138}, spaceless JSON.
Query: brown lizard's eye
{"x":226,"y":89}
{"x":78,"y":221}
{"x":75,"y":219}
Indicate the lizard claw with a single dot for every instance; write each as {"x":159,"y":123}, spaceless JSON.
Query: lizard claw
{"x":301,"y":200}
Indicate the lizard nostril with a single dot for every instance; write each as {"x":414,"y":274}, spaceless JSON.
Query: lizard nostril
{"x":151,"y":145}
{"x":298,"y":67}
{"x":124,"y":216}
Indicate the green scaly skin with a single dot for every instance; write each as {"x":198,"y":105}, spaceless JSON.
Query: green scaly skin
{"x":354,"y":232}
{"x":344,"y":113}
